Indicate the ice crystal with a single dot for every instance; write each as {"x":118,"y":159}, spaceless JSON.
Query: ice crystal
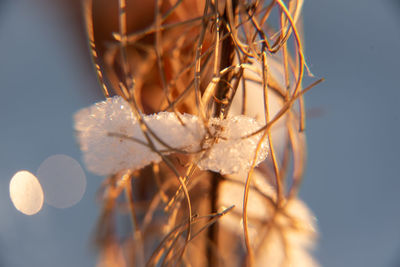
{"x":112,"y":140}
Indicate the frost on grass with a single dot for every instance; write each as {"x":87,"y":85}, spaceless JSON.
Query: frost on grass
{"x":111,"y":139}
{"x":105,"y":153}
{"x":231,"y":153}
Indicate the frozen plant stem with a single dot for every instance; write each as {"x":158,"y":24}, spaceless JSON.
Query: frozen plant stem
{"x":203,"y":97}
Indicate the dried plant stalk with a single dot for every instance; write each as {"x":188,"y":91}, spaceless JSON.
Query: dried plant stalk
{"x":212,"y":59}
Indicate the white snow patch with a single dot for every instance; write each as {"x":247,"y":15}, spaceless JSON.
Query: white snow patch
{"x":105,"y":132}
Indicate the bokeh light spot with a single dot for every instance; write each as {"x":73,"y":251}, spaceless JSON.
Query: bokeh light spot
{"x":63,"y":181}
{"x":26,"y":193}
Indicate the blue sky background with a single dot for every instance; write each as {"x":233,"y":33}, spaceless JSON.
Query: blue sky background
{"x":352,"y":181}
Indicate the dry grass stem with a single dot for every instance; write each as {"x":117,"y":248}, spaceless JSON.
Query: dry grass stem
{"x":212,"y":59}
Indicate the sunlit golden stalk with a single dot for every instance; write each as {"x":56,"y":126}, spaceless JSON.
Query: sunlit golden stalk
{"x":88,"y":7}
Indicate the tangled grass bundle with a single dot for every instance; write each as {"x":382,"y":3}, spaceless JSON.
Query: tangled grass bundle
{"x":214,"y":61}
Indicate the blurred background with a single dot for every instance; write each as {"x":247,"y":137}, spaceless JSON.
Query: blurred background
{"x":352,"y":181}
